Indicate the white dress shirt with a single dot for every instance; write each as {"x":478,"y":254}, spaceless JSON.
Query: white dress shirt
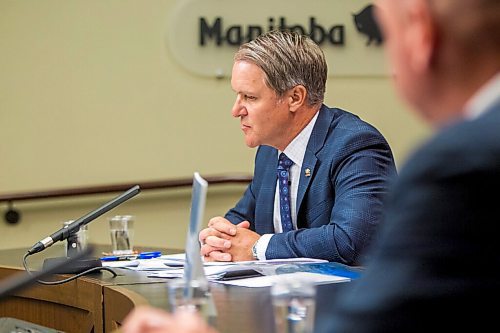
{"x":482,"y":100}
{"x":295,"y":151}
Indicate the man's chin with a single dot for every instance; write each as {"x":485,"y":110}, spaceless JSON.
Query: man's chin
{"x":251,"y":143}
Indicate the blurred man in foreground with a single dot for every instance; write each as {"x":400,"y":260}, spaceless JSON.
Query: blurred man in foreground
{"x":433,"y":263}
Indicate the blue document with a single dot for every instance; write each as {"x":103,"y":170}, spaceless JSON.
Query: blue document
{"x":326,"y":268}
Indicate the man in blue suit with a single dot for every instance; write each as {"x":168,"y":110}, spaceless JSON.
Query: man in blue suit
{"x":340,"y":165}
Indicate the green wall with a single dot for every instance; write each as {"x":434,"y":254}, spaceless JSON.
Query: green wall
{"x":90,"y":95}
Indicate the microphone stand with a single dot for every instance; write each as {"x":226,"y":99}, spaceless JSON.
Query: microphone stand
{"x":72,"y":251}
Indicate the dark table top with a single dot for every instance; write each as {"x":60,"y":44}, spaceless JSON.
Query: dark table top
{"x":239,"y":309}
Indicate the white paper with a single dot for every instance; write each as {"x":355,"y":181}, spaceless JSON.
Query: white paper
{"x":216,"y":270}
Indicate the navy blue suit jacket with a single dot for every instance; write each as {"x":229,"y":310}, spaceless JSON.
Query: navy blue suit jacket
{"x":436,"y":263}
{"x":338,"y":205}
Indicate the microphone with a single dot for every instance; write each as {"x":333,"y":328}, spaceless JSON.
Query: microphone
{"x":66,"y":231}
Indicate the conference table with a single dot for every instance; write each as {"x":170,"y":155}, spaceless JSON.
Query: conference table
{"x":99,"y":302}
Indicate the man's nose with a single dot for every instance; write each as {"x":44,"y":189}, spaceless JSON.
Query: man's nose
{"x":238,"y":108}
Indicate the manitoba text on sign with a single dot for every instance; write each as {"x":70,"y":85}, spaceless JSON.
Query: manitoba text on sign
{"x":203,"y":35}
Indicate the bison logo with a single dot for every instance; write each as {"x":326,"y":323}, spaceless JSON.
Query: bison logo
{"x":366,"y":24}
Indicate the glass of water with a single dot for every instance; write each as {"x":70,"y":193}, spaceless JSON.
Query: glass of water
{"x":77,"y":240}
{"x":294,"y":304}
{"x":121,"y":228}
{"x":192,"y":296}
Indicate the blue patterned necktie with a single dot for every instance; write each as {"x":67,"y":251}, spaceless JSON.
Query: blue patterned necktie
{"x":284,"y":164}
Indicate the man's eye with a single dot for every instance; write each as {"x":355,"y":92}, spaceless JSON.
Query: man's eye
{"x":251,"y":98}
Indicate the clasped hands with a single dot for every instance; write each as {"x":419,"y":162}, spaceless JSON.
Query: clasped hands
{"x":224,"y":241}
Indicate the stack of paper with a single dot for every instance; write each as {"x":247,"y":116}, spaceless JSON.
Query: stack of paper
{"x":244,"y":273}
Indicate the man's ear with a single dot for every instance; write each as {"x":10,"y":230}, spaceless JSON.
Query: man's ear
{"x":297,"y":97}
{"x":422,"y":34}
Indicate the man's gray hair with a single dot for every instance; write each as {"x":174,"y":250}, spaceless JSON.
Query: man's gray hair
{"x":288,"y":59}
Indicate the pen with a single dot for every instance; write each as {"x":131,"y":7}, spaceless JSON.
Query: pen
{"x":149,"y":255}
{"x":117,"y":258}
{"x":142,"y":255}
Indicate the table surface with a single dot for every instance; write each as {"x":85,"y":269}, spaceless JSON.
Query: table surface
{"x":239,"y":309}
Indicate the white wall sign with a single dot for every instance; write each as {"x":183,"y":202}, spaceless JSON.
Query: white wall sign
{"x":203,"y":35}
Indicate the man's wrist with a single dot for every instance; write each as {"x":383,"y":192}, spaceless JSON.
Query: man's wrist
{"x":254,"y":250}
{"x":261,"y":246}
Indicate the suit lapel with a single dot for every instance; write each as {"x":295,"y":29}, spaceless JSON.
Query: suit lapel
{"x":267,"y":199}
{"x":316,"y":142}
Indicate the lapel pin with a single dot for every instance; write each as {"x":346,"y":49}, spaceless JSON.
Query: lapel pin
{"x":307,"y":172}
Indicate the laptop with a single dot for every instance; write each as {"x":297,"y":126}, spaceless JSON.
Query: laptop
{"x":193,"y":267}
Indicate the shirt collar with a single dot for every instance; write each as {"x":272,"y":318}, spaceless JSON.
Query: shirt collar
{"x":484,"y":98}
{"x":297,"y":148}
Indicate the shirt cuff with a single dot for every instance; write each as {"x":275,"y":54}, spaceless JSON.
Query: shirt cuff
{"x":261,"y":246}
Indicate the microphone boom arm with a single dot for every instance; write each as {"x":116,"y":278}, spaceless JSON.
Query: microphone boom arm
{"x":65,"y":232}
